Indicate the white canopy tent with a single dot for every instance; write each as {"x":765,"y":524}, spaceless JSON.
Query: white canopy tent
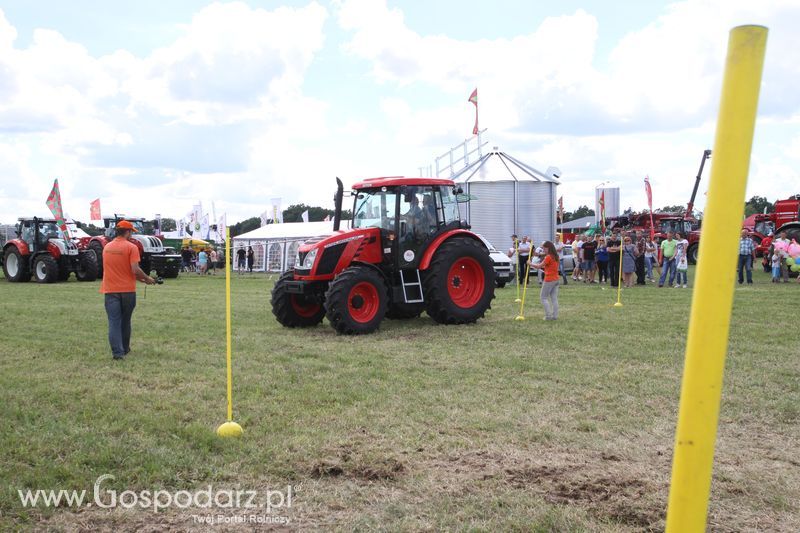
{"x":275,"y":245}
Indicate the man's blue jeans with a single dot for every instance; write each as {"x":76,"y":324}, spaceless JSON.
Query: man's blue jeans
{"x":668,"y":266}
{"x":746,"y":263}
{"x":119,"y":308}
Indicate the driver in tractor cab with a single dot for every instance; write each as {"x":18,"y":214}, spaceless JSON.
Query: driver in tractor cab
{"x":414,"y":215}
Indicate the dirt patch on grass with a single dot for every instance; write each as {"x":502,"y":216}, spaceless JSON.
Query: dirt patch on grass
{"x":352,"y":462}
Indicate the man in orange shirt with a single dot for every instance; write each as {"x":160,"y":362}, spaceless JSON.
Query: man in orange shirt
{"x":120,"y":272}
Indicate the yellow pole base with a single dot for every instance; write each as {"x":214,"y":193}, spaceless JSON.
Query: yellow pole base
{"x":516,"y":301}
{"x":520,"y":317}
{"x":230,"y":429}
{"x":618,"y":304}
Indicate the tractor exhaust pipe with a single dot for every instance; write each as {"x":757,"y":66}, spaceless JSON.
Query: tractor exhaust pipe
{"x":337,"y":202}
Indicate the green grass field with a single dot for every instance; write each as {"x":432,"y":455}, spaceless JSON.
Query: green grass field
{"x":501,"y":425}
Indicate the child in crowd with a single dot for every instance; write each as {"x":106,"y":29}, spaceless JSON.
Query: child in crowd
{"x":777,"y":257}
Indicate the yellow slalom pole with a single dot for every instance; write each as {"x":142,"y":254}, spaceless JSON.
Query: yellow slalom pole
{"x":521,"y":315}
{"x":516,"y":255}
{"x":709,"y":321}
{"x":229,"y":428}
{"x":619,"y":274}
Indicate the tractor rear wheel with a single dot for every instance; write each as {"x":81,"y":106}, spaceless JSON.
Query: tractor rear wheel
{"x":87,"y":267}
{"x":691,"y":253}
{"x":459,"y":284}
{"x":15,"y":266}
{"x":145,"y":264}
{"x":294,"y":310}
{"x":63,"y":273}
{"x":45,"y":269}
{"x":97,"y":248}
{"x":356,"y":300}
{"x":170,"y":273}
{"x":402,"y":310}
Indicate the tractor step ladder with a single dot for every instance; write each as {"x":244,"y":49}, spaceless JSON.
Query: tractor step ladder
{"x":412,"y":283}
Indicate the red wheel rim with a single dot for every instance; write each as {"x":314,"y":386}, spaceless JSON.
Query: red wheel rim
{"x":304,"y":310}
{"x":363,"y":302}
{"x":465,"y":282}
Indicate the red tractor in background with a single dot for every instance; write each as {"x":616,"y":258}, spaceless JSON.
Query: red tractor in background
{"x":685,"y":224}
{"x":407,"y":251}
{"x":765,"y":226}
{"x":151,"y":249}
{"x":41,"y":250}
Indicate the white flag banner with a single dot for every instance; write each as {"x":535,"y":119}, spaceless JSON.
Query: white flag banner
{"x":277,"y":213}
{"x":305,"y":215}
{"x":204,"y":228}
{"x":197,"y":218}
{"x":221,"y":225}
{"x":264,"y":218}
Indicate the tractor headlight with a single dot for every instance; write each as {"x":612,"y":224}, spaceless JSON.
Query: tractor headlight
{"x":308,"y":263}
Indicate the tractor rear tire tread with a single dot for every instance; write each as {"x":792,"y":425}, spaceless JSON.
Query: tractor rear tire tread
{"x":440,"y":305}
{"x":97,"y":248}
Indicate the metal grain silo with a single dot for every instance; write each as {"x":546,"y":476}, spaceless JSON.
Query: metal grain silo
{"x":509,"y":196}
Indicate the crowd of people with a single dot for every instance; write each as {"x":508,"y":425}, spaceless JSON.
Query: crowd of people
{"x":202,"y":261}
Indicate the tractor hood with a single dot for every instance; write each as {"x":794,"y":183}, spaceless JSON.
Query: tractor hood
{"x":64,"y":247}
{"x":150,"y":244}
{"x":320,"y":255}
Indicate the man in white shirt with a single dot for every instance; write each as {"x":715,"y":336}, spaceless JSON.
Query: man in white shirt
{"x":524,"y":251}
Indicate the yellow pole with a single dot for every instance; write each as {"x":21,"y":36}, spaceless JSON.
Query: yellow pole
{"x":516,"y":256}
{"x":619,"y":274}
{"x":521,"y":315}
{"x":709,"y":321}
{"x":229,"y":428}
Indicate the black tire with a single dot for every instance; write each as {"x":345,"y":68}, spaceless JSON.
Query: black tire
{"x":294,"y":310}
{"x":691,"y":253}
{"x":459,"y":305}
{"x":170,"y":273}
{"x":63,"y":273}
{"x":356,"y":300}
{"x":500,"y":284}
{"x":404,"y":311}
{"x":97,"y":248}
{"x":19,"y":266}
{"x":146,"y":264}
{"x":87,"y":266}
{"x":45,"y":269}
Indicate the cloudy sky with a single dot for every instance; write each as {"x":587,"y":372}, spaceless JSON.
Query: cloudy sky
{"x":152,"y":106}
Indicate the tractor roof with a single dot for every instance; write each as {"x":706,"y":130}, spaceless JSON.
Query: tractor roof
{"x":396,"y":181}
{"x":45,"y":220}
{"x":123,"y":217}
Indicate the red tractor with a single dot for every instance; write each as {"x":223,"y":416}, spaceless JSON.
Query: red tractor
{"x":151,"y":249}
{"x":41,"y":250}
{"x":784,"y":218}
{"x":407,"y":251}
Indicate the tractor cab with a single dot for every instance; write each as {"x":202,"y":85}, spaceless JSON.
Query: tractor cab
{"x":37,"y":234}
{"x":409,"y":217}
{"x":111,"y":223}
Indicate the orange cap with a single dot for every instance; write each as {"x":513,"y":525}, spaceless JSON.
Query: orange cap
{"x":124,"y":224}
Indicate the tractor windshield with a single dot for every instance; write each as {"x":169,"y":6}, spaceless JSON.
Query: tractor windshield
{"x":375,"y":209}
{"x":49,"y":230}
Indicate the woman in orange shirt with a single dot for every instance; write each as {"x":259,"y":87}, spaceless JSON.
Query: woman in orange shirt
{"x":549,"y":294}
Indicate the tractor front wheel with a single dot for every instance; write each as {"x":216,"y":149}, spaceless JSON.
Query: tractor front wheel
{"x":356,"y":300}
{"x":45,"y":269}
{"x":691,"y":253}
{"x":459,"y":284}
{"x":15,"y":266}
{"x":294,"y":310}
{"x":97,"y":248}
{"x":87,"y":267}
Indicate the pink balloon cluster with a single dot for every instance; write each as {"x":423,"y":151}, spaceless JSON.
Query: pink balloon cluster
{"x":792,"y":252}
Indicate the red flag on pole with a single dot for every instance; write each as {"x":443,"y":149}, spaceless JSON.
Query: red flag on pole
{"x":603,"y":211}
{"x":474,"y":99}
{"x":649,"y":192}
{"x":54,"y":203}
{"x":94,"y":210}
